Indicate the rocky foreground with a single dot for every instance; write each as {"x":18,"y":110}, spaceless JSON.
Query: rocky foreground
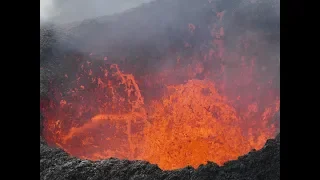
{"x":256,"y":165}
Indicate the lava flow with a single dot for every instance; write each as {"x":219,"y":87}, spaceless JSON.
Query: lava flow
{"x":215,"y":106}
{"x":191,"y":124}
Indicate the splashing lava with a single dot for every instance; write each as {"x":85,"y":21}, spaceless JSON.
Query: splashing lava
{"x":214,"y":106}
{"x":192,"y":123}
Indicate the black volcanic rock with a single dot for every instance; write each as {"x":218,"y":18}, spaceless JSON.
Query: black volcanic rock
{"x":57,"y":164}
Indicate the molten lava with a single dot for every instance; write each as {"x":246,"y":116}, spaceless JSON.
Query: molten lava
{"x":210,"y":107}
{"x":191,"y":124}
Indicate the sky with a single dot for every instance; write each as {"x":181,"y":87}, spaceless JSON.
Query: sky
{"x":64,"y":11}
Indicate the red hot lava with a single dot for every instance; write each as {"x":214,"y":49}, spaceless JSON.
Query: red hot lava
{"x":204,"y":115}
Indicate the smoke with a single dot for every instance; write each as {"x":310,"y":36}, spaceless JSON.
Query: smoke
{"x":65,"y":11}
{"x":46,"y":6}
{"x":154,"y":29}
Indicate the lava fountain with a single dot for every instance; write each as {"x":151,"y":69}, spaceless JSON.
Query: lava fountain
{"x":211,"y":106}
{"x":105,"y":115}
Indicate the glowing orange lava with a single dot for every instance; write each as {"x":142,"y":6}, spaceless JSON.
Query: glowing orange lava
{"x":208,"y":108}
{"x":190,"y":125}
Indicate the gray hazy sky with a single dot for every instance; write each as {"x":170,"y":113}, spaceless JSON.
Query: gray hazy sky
{"x":76,"y":10}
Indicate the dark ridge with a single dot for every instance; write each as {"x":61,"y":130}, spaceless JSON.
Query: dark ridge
{"x":262,"y":164}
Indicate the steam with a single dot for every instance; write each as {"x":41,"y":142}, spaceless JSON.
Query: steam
{"x":65,"y":11}
{"x":157,"y":26}
{"x":46,"y":6}
{"x":161,"y":24}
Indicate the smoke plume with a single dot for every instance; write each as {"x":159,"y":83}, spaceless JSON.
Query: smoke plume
{"x":64,"y":11}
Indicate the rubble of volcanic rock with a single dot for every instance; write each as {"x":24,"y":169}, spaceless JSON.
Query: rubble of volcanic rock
{"x":261,"y":164}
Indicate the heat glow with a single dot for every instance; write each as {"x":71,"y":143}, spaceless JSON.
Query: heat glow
{"x":191,"y":124}
{"x":183,"y":115}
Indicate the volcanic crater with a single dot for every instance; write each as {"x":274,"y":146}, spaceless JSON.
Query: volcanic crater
{"x":124,"y":97}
